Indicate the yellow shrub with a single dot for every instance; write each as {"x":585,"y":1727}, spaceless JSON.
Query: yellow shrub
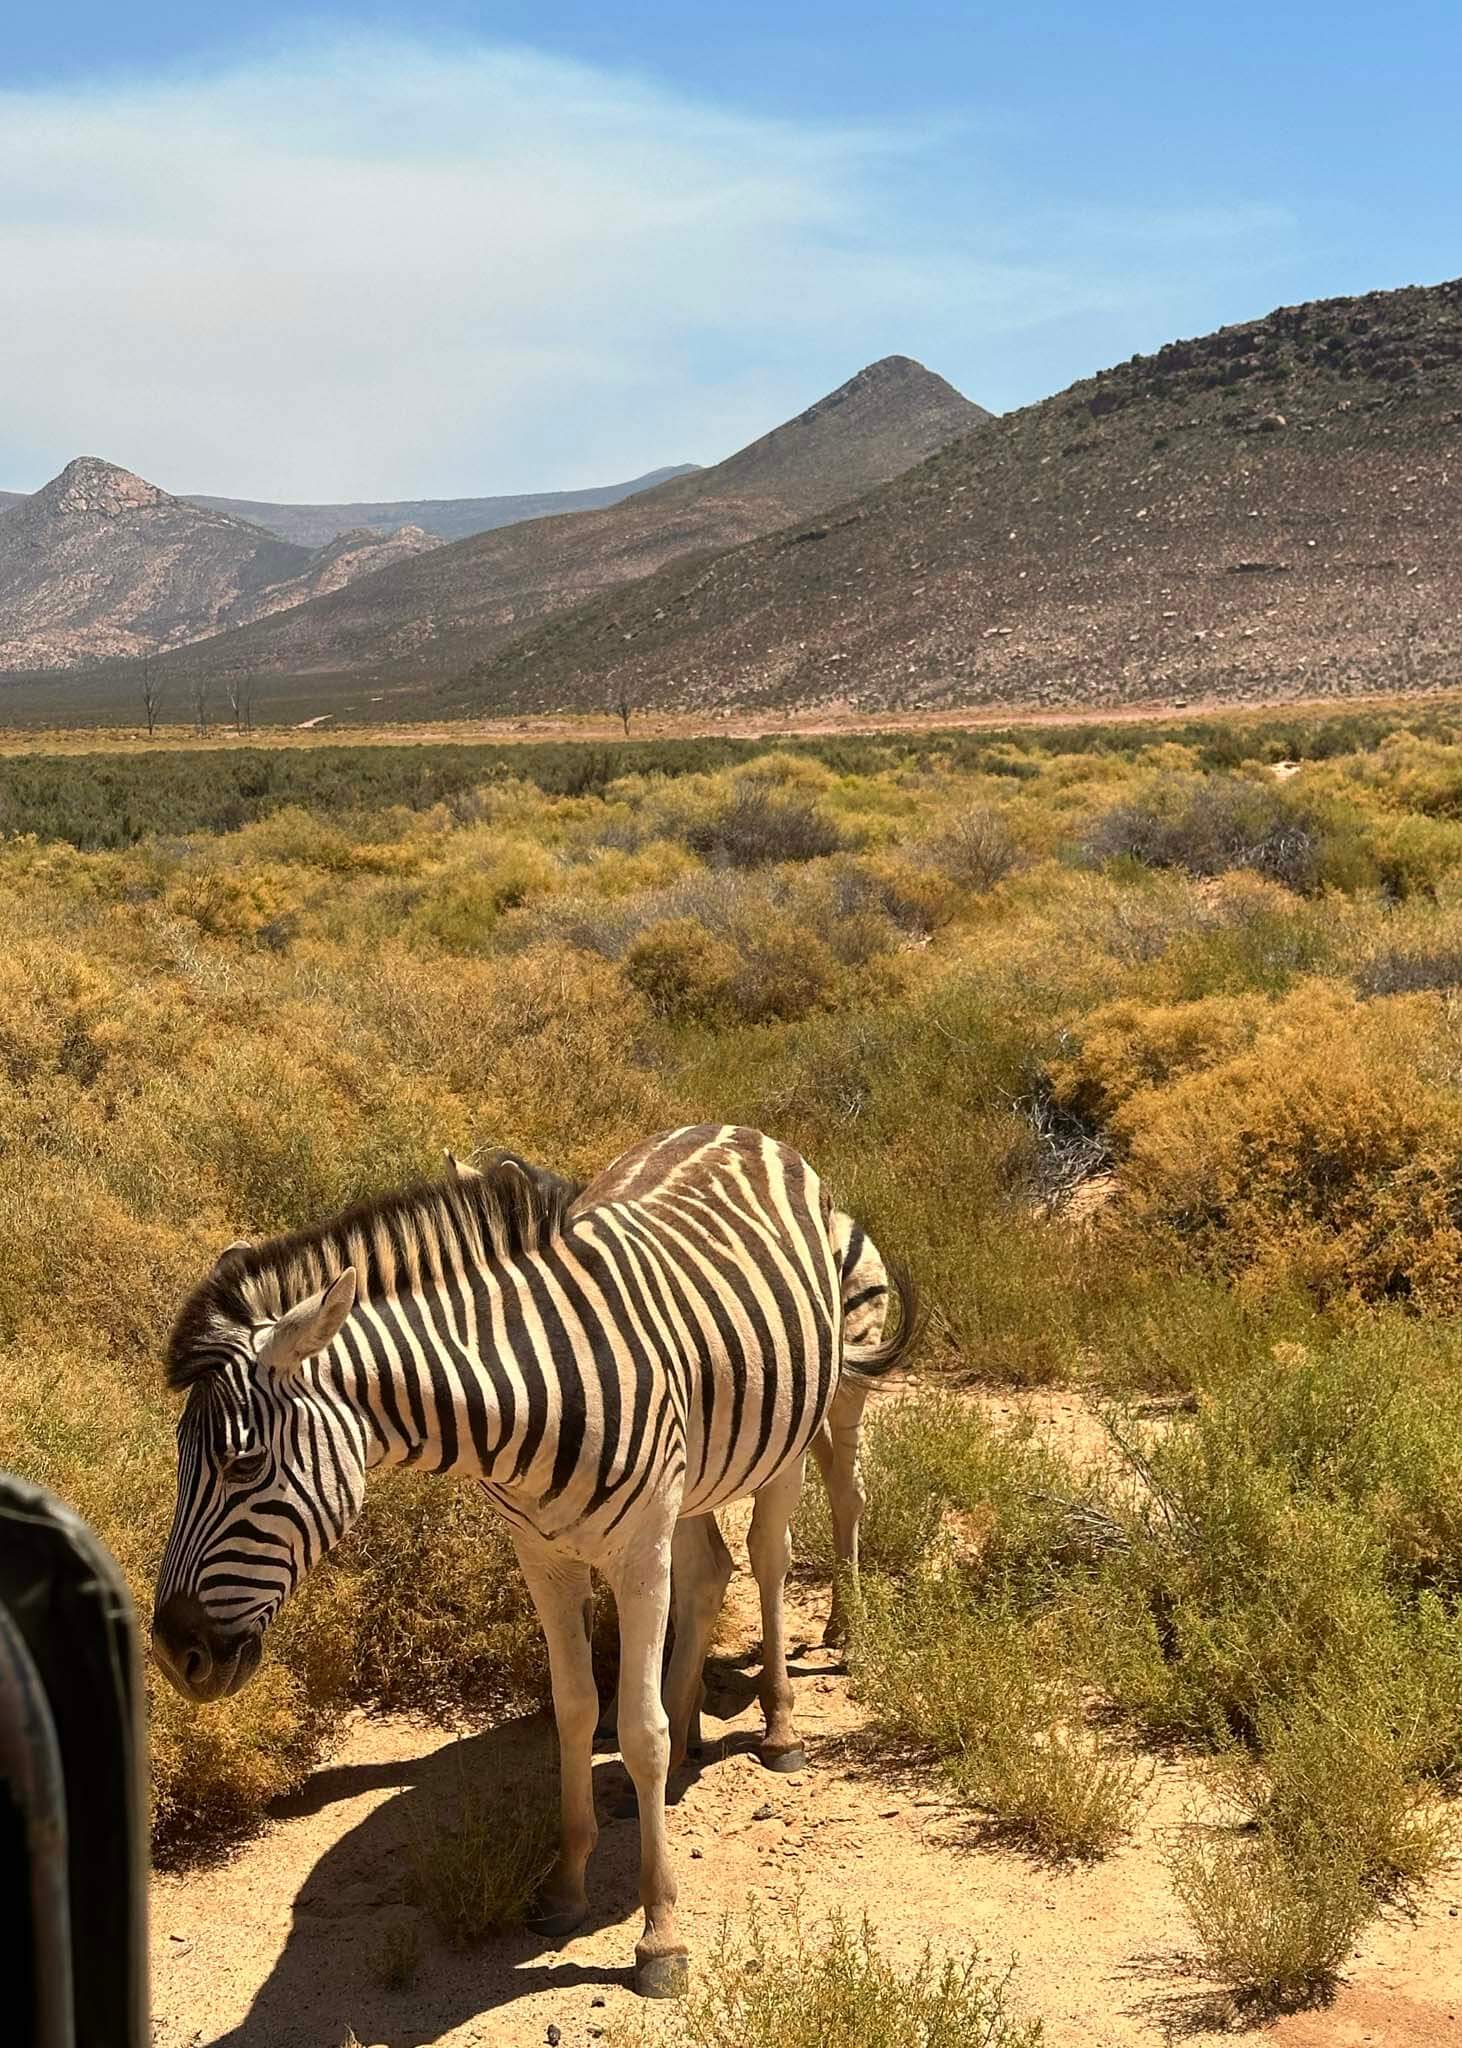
{"x":1328,"y":1152}
{"x":682,"y":971}
{"x":1129,"y":1046}
{"x":613,"y":873}
{"x":229,"y":905}
{"x":461,"y":908}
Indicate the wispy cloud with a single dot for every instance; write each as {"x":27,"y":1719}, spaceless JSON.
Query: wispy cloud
{"x":381,"y":268}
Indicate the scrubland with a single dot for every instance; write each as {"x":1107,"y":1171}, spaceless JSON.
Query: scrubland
{"x":974,"y":982}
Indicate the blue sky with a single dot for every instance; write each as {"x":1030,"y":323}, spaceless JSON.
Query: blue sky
{"x":448,"y":249}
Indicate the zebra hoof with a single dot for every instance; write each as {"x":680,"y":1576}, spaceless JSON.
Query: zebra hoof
{"x":558,"y":1922}
{"x":786,"y":1759}
{"x":662,"y":1976}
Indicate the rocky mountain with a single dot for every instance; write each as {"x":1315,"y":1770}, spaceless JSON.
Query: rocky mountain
{"x":101,"y":563}
{"x":1273,"y":510}
{"x":313,"y":526}
{"x":432,"y":617}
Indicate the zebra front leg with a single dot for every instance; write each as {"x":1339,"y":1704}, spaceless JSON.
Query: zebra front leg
{"x":835,"y":1448}
{"x":700,"y":1574}
{"x":563,"y":1596}
{"x":769,"y":1545}
{"x":641,"y":1582}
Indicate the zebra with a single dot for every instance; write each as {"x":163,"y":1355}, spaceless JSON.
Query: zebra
{"x":613,"y":1364}
{"x":836,"y":1446}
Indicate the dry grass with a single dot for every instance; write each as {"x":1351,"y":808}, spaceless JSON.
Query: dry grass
{"x":1274,"y":1927}
{"x":799,"y":1988}
{"x":400,"y":1955}
{"x":480,"y":1872}
{"x":989,"y":1695}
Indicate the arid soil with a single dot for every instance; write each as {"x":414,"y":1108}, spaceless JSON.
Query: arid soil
{"x":280,"y":1947}
{"x":1260,"y":512}
{"x":826,"y":721}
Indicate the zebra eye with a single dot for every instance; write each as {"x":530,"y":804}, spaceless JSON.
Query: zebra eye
{"x":247,"y":1468}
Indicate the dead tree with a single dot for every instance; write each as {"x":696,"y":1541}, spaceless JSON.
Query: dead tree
{"x":200,"y":705}
{"x":241,"y":699}
{"x":624,"y":707}
{"x":151,"y":693}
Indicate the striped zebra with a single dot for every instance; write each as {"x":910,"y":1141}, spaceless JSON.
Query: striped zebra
{"x":613,"y":1364}
{"x":863,"y":1281}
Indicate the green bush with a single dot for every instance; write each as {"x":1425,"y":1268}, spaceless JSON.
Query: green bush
{"x":480,"y":1872}
{"x":989,"y":1693}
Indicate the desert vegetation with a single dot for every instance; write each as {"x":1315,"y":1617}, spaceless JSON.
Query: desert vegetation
{"x":975,"y":978}
{"x":794,"y":1987}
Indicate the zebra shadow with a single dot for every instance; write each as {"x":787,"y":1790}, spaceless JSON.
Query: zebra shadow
{"x":328,"y":1980}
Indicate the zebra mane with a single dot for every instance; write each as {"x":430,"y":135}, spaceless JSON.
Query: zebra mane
{"x":396,"y":1243}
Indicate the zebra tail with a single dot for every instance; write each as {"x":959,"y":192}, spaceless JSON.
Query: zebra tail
{"x":871,"y":1361}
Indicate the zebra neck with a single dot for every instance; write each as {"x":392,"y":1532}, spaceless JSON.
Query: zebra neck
{"x":425,"y":1374}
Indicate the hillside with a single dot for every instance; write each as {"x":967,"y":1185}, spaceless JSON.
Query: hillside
{"x":101,"y":563}
{"x":314,"y":526}
{"x":1271,"y":510}
{"x":431,"y":617}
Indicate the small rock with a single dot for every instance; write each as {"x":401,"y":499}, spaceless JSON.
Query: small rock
{"x":696,"y":1855}
{"x":597,"y":1999}
{"x":1273,"y":423}
{"x":764,"y":1813}
{"x":553,"y":2036}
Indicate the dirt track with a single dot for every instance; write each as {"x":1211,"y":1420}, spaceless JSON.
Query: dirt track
{"x":279,"y":1947}
{"x":822,"y":723}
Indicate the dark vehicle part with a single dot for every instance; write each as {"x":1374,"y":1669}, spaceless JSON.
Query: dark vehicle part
{"x":73,"y":1864}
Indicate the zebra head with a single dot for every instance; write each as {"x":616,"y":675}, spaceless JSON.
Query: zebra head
{"x":271,"y":1473}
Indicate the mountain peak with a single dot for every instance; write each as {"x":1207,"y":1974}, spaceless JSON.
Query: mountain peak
{"x":89,"y":485}
{"x":897,"y":380}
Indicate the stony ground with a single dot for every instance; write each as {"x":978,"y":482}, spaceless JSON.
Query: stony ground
{"x":281,"y":1946}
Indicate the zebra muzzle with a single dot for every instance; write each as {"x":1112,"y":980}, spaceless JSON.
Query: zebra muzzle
{"x":196,"y":1657}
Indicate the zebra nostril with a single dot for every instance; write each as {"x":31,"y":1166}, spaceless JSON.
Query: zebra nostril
{"x":181,"y":1640}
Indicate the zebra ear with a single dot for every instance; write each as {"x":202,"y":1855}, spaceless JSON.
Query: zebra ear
{"x":310,"y":1326}
{"x":240,"y":1244}
{"x":458,"y":1169}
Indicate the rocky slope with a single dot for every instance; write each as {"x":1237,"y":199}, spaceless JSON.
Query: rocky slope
{"x":101,"y":563}
{"x":1272,"y":510}
{"x":434,"y":616}
{"x":313,"y":526}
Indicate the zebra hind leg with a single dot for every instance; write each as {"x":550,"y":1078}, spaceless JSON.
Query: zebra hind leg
{"x":563,"y":1596}
{"x":835,"y":1448}
{"x":700,"y":1574}
{"x":769,"y":1545}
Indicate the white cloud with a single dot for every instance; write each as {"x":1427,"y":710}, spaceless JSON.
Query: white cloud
{"x":373,"y":268}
